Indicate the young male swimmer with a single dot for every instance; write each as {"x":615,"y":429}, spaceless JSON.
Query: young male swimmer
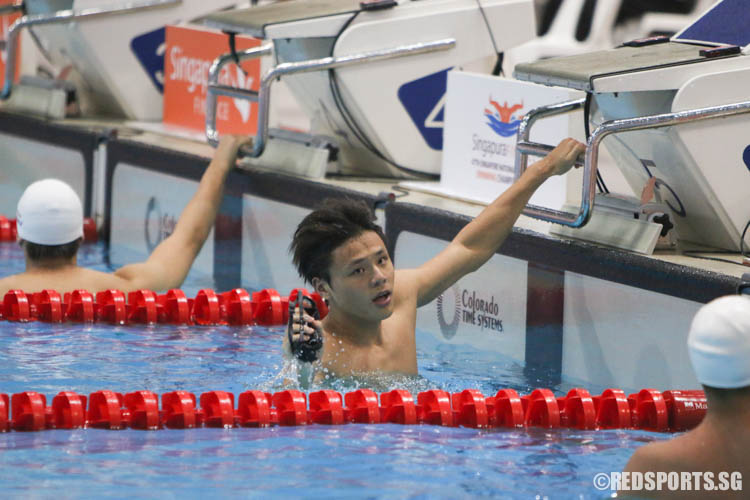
{"x":719,"y":348}
{"x":372,"y":308}
{"x":50,"y":228}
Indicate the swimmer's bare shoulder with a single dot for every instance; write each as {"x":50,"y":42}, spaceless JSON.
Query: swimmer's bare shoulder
{"x":694,"y":451}
{"x":8,"y":283}
{"x":654,"y":457}
{"x":85,"y":279}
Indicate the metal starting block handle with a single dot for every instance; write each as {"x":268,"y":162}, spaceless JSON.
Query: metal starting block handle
{"x":524,"y":147}
{"x":214,"y":90}
{"x":263,"y":96}
{"x":62,"y":16}
{"x":538,"y":149}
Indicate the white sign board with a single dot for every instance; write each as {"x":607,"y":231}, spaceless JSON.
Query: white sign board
{"x":26,"y":161}
{"x":145,"y":208}
{"x":482,"y":116}
{"x":267,"y":229}
{"x":488,"y":314}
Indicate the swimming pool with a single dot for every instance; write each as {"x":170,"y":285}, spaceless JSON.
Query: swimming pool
{"x":373,"y":461}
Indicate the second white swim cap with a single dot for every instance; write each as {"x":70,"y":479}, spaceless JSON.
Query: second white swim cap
{"x":49,"y":213}
{"x":719,"y":343}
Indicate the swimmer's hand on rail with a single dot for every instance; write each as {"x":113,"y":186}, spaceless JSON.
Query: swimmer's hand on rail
{"x":562,"y":158}
{"x":229,"y":146}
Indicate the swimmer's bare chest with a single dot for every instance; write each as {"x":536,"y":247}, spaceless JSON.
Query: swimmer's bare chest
{"x":396,"y":351}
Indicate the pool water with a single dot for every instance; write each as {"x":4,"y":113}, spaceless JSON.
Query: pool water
{"x":372,"y":461}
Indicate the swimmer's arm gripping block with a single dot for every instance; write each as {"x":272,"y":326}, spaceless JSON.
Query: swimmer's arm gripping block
{"x":648,"y":409}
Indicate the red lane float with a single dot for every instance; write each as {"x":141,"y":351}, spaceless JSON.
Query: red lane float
{"x":291,"y":407}
{"x":29,"y":411}
{"x":470,"y":409}
{"x":577,"y":410}
{"x":4,"y":413}
{"x":362,"y":407}
{"x":686,"y":409}
{"x":142,"y":307}
{"x":110,"y":307}
{"x":649,"y":410}
{"x":79,"y":306}
{"x":398,"y":407}
{"x":508,"y":409}
{"x":235,"y":307}
{"x":179,"y":410}
{"x":69,"y":411}
{"x":326,"y":407}
{"x":105,"y":410}
{"x":47,"y":306}
{"x":16,"y":306}
{"x":612,"y":410}
{"x":434,"y":408}
{"x":673,"y":411}
{"x":143,"y":410}
{"x":541,"y":409}
{"x":218,"y":409}
{"x":270,"y":308}
{"x":9,"y":230}
{"x":254,"y":409}
{"x":206,"y":310}
{"x":90,"y":233}
{"x":174,"y":308}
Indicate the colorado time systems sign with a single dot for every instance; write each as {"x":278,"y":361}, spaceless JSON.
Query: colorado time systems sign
{"x":457,"y":305}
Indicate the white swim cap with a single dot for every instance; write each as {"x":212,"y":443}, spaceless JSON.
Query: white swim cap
{"x":719,"y":343}
{"x":49,"y":213}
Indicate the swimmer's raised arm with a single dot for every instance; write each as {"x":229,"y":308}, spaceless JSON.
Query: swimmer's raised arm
{"x":169,"y":263}
{"x":480,"y":239}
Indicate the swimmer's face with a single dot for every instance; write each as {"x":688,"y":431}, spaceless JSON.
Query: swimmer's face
{"x":361,"y":278}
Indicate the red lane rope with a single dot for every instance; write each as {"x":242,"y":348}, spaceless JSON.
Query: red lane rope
{"x":9,"y":231}
{"x":671,"y":411}
{"x":235,"y":307}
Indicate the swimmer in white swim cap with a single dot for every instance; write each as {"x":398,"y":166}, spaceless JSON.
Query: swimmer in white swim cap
{"x":719,"y":343}
{"x":49,"y":214}
{"x":50,"y":230}
{"x":719,"y":349}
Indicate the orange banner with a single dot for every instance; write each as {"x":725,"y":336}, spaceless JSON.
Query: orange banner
{"x":189,"y":54}
{"x":5,"y":24}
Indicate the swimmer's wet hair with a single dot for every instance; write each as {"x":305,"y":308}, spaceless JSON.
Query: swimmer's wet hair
{"x":334,"y":223}
{"x":38,"y":253}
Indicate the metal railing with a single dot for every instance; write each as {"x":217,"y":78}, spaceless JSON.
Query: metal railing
{"x":63,"y":16}
{"x":525,"y":148}
{"x":263,"y":96}
{"x":214,"y":89}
